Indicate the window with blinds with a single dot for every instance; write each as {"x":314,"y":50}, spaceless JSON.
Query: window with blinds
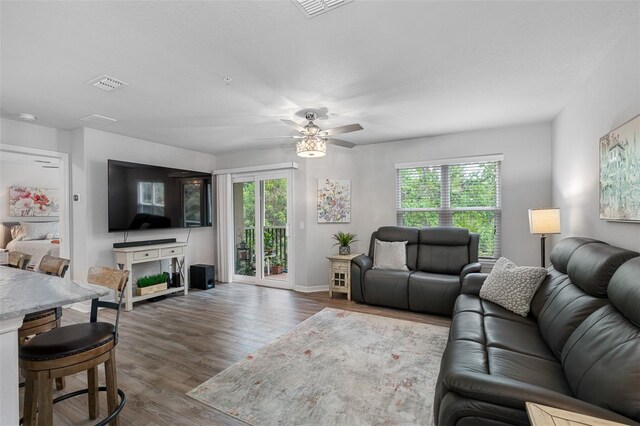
{"x":459,"y":192}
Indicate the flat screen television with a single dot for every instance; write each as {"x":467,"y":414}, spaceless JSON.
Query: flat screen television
{"x":142,"y":196}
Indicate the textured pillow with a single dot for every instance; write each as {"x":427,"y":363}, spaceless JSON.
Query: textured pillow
{"x":390,"y":255}
{"x":38,"y":230}
{"x":512,"y":286}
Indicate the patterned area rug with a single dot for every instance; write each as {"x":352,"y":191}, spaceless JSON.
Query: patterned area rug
{"x":335,"y":368}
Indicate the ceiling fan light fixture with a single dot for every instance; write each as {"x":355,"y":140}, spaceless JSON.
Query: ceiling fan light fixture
{"x":311,"y":147}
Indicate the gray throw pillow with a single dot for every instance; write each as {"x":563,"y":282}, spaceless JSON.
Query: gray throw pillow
{"x":512,"y":286}
{"x":390,"y":255}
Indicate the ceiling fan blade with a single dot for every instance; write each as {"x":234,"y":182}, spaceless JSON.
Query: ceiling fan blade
{"x":281,"y":137}
{"x":293,"y":124}
{"x":342,"y":129}
{"x":340,"y":142}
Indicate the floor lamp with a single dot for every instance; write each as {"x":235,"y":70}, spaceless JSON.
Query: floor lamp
{"x":544,"y":222}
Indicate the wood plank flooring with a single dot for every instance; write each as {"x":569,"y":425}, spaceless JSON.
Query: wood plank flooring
{"x":169,"y":347}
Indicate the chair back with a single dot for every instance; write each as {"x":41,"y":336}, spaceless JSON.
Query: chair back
{"x":19,"y":260}
{"x":115,"y":279}
{"x":52,"y":265}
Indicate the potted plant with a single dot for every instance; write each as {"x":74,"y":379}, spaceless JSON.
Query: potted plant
{"x":344,"y":240}
{"x":151,"y":284}
{"x":277,"y":267}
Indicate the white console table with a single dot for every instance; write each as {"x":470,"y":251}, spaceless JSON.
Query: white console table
{"x":126,"y":257}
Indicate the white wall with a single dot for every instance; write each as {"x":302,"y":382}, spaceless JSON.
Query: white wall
{"x":91,"y":149}
{"x":30,"y":135}
{"x":526,"y":178}
{"x":610,"y":97}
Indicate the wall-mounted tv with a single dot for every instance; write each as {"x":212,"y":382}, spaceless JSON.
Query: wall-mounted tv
{"x":152,"y":197}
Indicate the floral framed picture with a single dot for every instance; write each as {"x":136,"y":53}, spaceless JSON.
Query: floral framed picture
{"x":26,"y":201}
{"x":620,"y":173}
{"x":334,"y":201}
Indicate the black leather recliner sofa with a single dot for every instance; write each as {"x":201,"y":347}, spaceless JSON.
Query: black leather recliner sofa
{"x":438,"y":259}
{"x":579,"y":348}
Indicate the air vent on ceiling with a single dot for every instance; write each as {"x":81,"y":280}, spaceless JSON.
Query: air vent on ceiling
{"x":98,"y":120}
{"x":313,"y":8}
{"x":107,"y":83}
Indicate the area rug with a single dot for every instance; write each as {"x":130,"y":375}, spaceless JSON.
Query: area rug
{"x":335,"y":368}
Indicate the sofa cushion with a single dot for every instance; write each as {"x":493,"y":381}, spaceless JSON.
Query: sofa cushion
{"x":443,"y":250}
{"x":623,"y":290}
{"x":592,"y":265}
{"x":566,"y":308}
{"x":525,"y":368}
{"x":398,"y":233}
{"x":512,"y":286}
{"x":601,"y":361}
{"x":563,"y":251}
{"x":434,"y":293}
{"x":516,"y":337}
{"x":390,"y":255}
{"x":472,"y":303}
{"x":386,"y":287}
{"x":553,"y":279}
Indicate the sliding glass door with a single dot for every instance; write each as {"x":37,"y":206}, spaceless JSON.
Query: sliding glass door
{"x":262,"y":243}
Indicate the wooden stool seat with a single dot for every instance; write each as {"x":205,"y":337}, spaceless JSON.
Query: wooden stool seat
{"x":68,"y":341}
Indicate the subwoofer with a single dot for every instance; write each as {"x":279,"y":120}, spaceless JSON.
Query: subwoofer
{"x":202,"y":276}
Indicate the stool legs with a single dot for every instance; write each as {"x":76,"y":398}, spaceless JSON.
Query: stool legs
{"x":45,"y":399}
{"x":92,"y":385}
{"x":30,"y":402}
{"x":112,"y":385}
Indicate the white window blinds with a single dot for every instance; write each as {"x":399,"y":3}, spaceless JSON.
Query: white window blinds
{"x":458,"y":192}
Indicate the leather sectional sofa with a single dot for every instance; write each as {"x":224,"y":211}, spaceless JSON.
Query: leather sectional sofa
{"x":438,"y":259}
{"x":578,"y":350}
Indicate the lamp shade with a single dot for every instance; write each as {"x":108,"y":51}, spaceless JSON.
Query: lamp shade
{"x":311,"y":146}
{"x":544,"y":221}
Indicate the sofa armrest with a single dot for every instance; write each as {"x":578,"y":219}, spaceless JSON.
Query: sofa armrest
{"x":472,"y":283}
{"x":359,"y":266}
{"x":470,"y":268}
{"x":512,"y":393}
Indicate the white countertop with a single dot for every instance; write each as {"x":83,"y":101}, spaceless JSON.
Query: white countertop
{"x":23,"y":292}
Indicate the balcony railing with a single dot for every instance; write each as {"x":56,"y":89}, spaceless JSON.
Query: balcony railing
{"x":275,"y":241}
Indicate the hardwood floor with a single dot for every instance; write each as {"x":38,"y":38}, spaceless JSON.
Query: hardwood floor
{"x":169,"y":347}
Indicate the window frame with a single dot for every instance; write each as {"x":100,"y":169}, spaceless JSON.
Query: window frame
{"x":445,"y":211}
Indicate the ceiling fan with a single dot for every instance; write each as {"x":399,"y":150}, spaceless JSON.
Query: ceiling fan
{"x":313,"y":140}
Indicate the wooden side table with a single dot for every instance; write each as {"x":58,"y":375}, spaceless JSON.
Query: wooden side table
{"x":543,"y":415}
{"x":340,"y":273}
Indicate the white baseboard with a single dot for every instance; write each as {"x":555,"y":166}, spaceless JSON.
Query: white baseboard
{"x":312,"y":289}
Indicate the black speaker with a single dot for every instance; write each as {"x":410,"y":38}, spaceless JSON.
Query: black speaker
{"x":203,"y":276}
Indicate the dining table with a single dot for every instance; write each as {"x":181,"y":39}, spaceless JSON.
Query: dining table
{"x":23,"y":292}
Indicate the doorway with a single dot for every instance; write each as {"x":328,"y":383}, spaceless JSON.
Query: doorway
{"x":262,"y":239}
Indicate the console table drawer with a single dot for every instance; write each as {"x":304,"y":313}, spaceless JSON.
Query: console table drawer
{"x":174,"y":251}
{"x":147,"y":254}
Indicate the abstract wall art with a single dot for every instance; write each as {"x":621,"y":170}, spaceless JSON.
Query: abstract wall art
{"x":620,"y":173}
{"x":27,"y":201}
{"x":334,"y":201}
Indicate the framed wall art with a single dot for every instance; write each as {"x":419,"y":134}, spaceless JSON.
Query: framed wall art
{"x":620,"y":173}
{"x":334,"y":201}
{"x":26,"y":201}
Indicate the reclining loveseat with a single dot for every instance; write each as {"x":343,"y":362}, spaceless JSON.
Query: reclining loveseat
{"x":578,"y":350}
{"x":438,"y":258}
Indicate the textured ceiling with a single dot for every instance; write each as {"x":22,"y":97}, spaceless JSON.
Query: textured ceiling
{"x":401,"y":69}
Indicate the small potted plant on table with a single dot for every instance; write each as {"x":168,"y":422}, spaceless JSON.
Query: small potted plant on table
{"x":151,"y":284}
{"x":344,"y":240}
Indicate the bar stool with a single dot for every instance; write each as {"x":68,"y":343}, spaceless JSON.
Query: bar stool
{"x":18,"y":259}
{"x":71,"y":349}
{"x":48,"y":319}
